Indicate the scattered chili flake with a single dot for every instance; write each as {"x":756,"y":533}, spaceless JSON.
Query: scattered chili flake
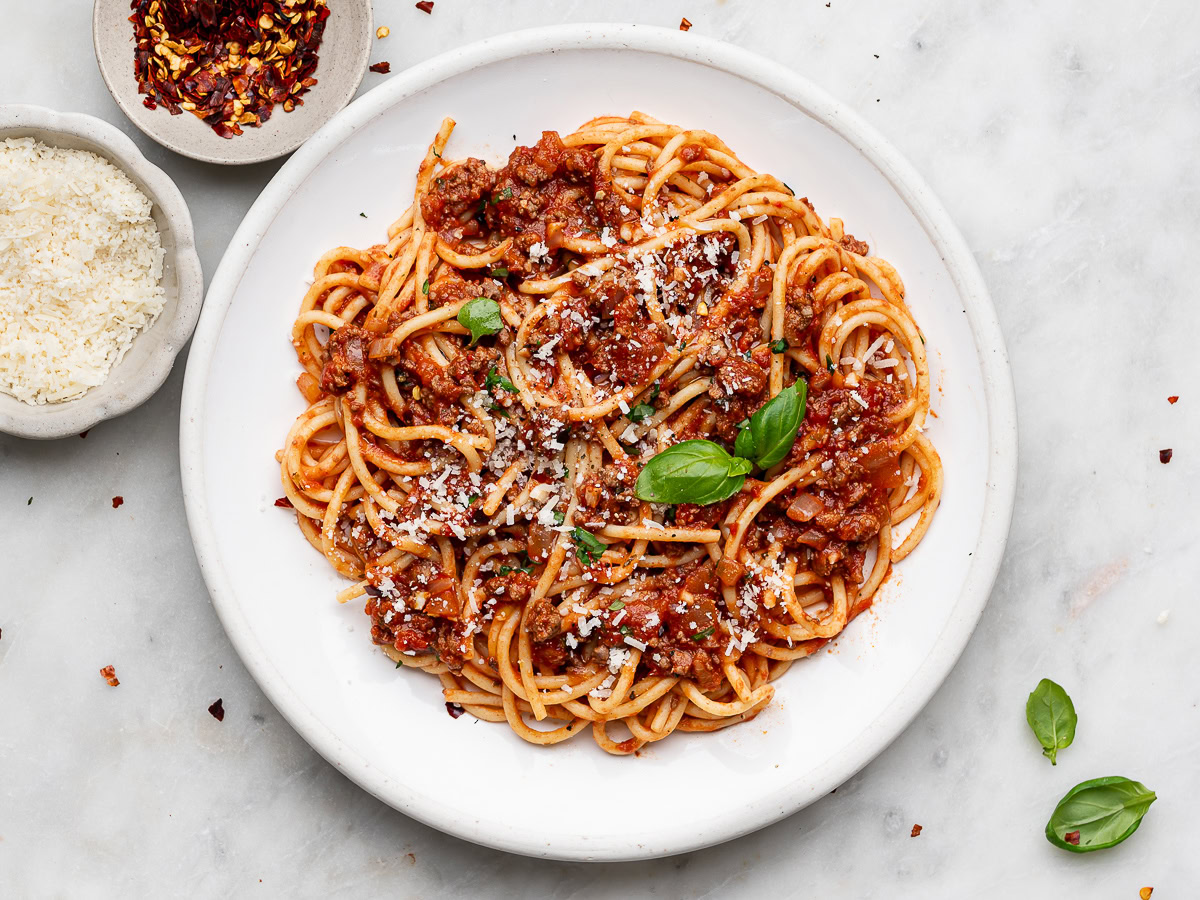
{"x":1072,"y":837}
{"x":83,"y":434}
{"x":382,"y":31}
{"x":381,"y":68}
{"x":228,"y":62}
{"x":109,"y":674}
{"x":684,"y":25}
{"x":916,"y":830}
{"x":284,"y":503}
{"x":217,"y":710}
{"x":117,"y":501}
{"x":1164,"y":456}
{"x":426,"y":6}
{"x":29,"y":502}
{"x":1145,"y":893}
{"x":453,"y":708}
{"x":1172,"y":400}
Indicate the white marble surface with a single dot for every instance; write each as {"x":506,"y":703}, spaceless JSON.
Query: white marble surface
{"x":1062,"y":138}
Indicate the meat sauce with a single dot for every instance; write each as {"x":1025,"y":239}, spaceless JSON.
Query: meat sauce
{"x":546,"y":195}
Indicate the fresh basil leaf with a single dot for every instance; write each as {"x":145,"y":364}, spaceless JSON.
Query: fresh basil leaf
{"x":775,"y":424}
{"x":745,"y":446}
{"x":780,"y":346}
{"x":1051,"y":714}
{"x":481,"y":316}
{"x":616,"y":605}
{"x":1098,"y":813}
{"x":589,"y":547}
{"x":495,"y":379}
{"x":694,"y":471}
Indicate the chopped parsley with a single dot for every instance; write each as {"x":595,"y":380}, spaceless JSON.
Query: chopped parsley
{"x":559,"y":516}
{"x":500,"y":410}
{"x":425,"y":287}
{"x":500,"y":272}
{"x":364,"y":215}
{"x":829,"y":362}
{"x":616,"y":604}
{"x":701,"y":635}
{"x":589,"y":547}
{"x":625,"y":629}
{"x":645,"y":410}
{"x":780,"y":346}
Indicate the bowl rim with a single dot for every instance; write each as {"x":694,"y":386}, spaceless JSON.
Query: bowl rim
{"x":282,"y":148}
{"x":1000,"y":487}
{"x":57,"y":420}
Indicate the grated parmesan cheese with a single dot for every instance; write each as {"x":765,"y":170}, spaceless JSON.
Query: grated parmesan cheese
{"x":80,"y":264}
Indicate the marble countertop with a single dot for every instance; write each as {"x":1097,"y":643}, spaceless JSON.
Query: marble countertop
{"x":1062,"y":138}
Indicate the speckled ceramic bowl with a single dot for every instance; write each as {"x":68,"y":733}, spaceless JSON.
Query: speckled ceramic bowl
{"x":145,"y":367}
{"x":343,"y":57}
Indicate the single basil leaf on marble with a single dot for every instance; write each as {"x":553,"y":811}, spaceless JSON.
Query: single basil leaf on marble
{"x":1099,"y":813}
{"x":775,"y":424}
{"x":694,"y":471}
{"x":1051,"y":714}
{"x":481,"y":316}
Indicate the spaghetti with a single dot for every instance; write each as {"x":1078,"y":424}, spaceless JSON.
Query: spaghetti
{"x":498,"y":376}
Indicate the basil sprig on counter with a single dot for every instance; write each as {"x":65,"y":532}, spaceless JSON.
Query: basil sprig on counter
{"x":1098,"y":813}
{"x":481,"y":316}
{"x":703,"y":472}
{"x":1051,"y":714}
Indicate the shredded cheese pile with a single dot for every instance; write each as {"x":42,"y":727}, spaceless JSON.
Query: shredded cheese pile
{"x":81,"y":263}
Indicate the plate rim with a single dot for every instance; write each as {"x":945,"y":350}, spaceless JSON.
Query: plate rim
{"x":1000,"y":486}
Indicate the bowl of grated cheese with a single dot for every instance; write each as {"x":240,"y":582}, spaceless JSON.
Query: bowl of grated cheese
{"x":100,"y":284}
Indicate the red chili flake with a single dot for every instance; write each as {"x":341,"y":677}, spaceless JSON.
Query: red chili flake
{"x":426,"y":6}
{"x":1172,"y":400}
{"x":1072,"y":837}
{"x":228,"y":62}
{"x":684,"y":25}
{"x":117,"y":501}
{"x":381,"y":68}
{"x":1164,"y":456}
{"x":83,"y":434}
{"x":284,"y":503}
{"x":455,"y":710}
{"x":916,"y":830}
{"x":217,"y":710}
{"x":110,"y":675}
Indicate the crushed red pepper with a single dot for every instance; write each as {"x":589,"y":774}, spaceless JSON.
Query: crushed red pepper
{"x":1072,"y":837}
{"x":684,"y":25}
{"x":426,"y":6}
{"x":117,"y":501}
{"x":1164,"y":456}
{"x":454,"y":710}
{"x":381,"y":68}
{"x":1173,"y":399}
{"x":916,"y":830}
{"x":217,"y":710}
{"x":228,"y":62}
{"x":284,"y":503}
{"x":110,"y":675}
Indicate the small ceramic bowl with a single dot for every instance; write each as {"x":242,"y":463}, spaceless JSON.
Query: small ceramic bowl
{"x":145,"y":367}
{"x":343,"y":56}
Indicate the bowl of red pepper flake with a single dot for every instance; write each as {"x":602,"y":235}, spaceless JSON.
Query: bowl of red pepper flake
{"x":232,"y":81}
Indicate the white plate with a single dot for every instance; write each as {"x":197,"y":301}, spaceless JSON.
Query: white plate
{"x":388,"y":730}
